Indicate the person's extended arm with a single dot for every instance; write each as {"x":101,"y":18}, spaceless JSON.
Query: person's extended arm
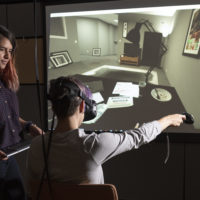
{"x":171,"y":120}
{"x":33,"y":128}
{"x":104,"y":146}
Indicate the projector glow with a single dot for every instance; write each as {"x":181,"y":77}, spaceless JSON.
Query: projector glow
{"x":164,"y":11}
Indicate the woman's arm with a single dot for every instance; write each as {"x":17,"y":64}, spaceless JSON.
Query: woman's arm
{"x":30,"y":127}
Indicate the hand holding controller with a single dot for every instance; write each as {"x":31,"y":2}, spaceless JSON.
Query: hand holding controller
{"x":189,"y":118}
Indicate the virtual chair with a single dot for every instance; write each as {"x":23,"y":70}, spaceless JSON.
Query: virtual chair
{"x":62,"y":190}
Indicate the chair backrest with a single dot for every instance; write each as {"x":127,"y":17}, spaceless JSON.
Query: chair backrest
{"x":62,"y":191}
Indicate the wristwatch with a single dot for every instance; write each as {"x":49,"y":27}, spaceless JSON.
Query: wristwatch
{"x":27,"y":126}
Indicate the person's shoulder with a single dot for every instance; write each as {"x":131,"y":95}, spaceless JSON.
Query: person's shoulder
{"x":101,"y":139}
{"x":81,"y":133}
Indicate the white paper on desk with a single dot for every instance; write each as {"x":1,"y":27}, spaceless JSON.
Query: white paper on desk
{"x":97,"y":97}
{"x":120,"y":102}
{"x":126,"y":89}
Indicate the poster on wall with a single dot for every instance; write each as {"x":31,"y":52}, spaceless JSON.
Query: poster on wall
{"x":60,"y":59}
{"x":192,"y":42}
{"x":96,"y":51}
{"x":125,"y":29}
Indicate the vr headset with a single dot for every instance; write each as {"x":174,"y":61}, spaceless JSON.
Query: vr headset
{"x":90,"y":105}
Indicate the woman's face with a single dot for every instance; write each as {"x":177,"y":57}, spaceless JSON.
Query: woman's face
{"x":5,"y":52}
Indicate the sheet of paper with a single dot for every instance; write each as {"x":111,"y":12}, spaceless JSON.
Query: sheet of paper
{"x":120,"y":102}
{"x":97,"y":97}
{"x":126,"y":89}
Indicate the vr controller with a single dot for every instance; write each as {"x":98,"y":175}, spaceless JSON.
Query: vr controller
{"x":189,"y":118}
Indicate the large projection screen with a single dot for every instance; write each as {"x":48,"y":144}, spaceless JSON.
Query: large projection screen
{"x":90,"y":40}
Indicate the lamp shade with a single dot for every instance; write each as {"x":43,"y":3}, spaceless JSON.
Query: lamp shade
{"x":134,"y":34}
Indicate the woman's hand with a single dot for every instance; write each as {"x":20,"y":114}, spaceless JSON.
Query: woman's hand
{"x":31,"y":128}
{"x":3,"y":156}
{"x":34,"y":130}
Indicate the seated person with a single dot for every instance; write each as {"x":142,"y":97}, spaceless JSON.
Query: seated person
{"x":77,"y":157}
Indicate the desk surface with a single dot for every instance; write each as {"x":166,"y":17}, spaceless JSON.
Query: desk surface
{"x":145,"y":108}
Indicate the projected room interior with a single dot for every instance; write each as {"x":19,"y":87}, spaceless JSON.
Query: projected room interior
{"x":100,"y":46}
{"x":95,"y":44}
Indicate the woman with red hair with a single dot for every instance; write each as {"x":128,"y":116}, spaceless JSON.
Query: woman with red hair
{"x":11,"y":125}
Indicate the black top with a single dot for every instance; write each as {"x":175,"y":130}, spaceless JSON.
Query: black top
{"x":10,"y":127}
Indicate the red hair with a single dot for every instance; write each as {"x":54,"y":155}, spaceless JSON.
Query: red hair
{"x":10,"y":77}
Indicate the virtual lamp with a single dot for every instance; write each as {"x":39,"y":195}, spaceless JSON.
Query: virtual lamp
{"x":134,"y":35}
{"x":153,"y":47}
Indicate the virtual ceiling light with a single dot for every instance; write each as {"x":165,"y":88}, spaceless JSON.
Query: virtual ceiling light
{"x":165,"y":11}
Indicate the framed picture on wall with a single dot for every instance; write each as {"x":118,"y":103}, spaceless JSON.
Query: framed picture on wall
{"x":58,"y":28}
{"x":96,"y":51}
{"x":125,"y":29}
{"x":60,"y":59}
{"x":192,"y":42}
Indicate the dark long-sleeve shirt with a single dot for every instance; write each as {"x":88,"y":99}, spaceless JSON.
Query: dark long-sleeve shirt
{"x":10,"y":127}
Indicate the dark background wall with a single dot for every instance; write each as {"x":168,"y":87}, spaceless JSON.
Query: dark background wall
{"x":139,"y":174}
